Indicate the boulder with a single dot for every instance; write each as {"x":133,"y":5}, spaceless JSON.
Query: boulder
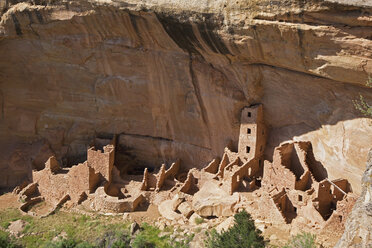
{"x":225,"y":225}
{"x":166,"y":210}
{"x":134,"y":227}
{"x":193,"y":217}
{"x":16,"y":227}
{"x":214,"y":201}
{"x":177,"y":200}
{"x":185,"y":209}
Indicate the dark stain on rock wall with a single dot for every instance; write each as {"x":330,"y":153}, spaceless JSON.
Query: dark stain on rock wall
{"x":213,"y":41}
{"x":181,"y":33}
{"x":17,"y":25}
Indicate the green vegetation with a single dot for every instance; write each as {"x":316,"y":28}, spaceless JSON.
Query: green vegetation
{"x":150,"y":236}
{"x":69,"y":230}
{"x":68,"y":243}
{"x":83,"y":231}
{"x":6,"y":241}
{"x":78,"y":229}
{"x":243,"y":234}
{"x":303,"y":240}
{"x":361,"y":104}
{"x":198,"y":221}
{"x":11,"y":215}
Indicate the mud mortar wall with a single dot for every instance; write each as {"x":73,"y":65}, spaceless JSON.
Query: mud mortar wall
{"x":172,"y":82}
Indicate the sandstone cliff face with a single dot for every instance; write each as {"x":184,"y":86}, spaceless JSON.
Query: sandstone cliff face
{"x":358,"y":228}
{"x":171,"y":77}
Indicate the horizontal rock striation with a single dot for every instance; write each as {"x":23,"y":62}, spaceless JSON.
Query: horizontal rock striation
{"x":171,"y":77}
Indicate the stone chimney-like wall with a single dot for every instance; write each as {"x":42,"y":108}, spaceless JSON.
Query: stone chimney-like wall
{"x":252,"y":137}
{"x":102,"y":162}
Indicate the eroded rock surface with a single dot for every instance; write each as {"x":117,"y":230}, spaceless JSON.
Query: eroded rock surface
{"x":358,"y":228}
{"x":173,"y":76}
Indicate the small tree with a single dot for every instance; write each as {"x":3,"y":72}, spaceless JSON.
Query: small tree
{"x":362,"y":105}
{"x":242,"y":235}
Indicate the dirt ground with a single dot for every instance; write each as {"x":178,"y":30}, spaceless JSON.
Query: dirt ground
{"x":150,"y":215}
{"x":8,"y":200}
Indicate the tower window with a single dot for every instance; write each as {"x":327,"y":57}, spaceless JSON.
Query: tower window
{"x":248,"y":130}
{"x":249,"y":114}
{"x":248,"y":149}
{"x":299,"y":197}
{"x":260,"y":148}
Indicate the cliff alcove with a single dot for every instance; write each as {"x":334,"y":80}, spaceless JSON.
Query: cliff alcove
{"x":170,"y":79}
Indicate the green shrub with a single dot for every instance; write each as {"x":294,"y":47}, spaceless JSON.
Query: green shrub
{"x":141,"y":242}
{"x":5,"y":224}
{"x":362,"y":105}
{"x":115,"y":240}
{"x":7,"y":242}
{"x":120,"y":244}
{"x":68,"y":243}
{"x":148,"y":237}
{"x":198,"y":221}
{"x":303,"y":240}
{"x":242,"y":235}
{"x":182,"y":241}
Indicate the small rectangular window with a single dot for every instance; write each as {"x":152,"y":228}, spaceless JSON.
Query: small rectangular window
{"x":299,"y":197}
{"x":249,"y":114}
{"x":248,"y":149}
{"x":248,"y":130}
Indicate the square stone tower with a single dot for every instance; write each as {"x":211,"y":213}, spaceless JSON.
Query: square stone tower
{"x":252,"y":137}
{"x":102,"y":162}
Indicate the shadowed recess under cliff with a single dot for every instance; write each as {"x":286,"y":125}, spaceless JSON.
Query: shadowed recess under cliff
{"x":173,"y":83}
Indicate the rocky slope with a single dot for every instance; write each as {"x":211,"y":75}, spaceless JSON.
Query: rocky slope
{"x":171,"y":77}
{"x":358,"y":227}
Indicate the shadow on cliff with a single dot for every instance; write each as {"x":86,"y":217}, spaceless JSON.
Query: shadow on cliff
{"x":296,"y":101}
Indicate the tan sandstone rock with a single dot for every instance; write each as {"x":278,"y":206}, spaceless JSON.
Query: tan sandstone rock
{"x":166,"y":210}
{"x":225,"y":225}
{"x":173,"y":79}
{"x":358,"y":227}
{"x":213,"y":201}
{"x":186,"y":209}
{"x":16,"y":227}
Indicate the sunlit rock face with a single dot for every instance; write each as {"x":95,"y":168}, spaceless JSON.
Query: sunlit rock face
{"x":358,"y":226}
{"x":170,"y":79}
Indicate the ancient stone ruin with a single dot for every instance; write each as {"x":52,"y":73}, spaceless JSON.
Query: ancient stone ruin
{"x":293,"y":189}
